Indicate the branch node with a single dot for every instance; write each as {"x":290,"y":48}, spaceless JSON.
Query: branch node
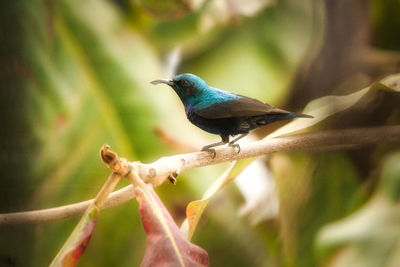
{"x":152,"y":173}
{"x":106,"y":155}
{"x":116,"y":164}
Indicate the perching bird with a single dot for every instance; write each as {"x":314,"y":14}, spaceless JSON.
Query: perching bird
{"x":221,"y":112}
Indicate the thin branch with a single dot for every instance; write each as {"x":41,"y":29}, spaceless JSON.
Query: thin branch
{"x":68,"y":211}
{"x":158,"y":171}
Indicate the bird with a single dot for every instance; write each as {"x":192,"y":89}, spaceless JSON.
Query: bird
{"x":221,"y":112}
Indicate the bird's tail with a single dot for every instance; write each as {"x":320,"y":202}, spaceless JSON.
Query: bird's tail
{"x":301,"y":115}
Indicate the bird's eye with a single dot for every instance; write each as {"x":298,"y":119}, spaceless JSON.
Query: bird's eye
{"x":185,"y":83}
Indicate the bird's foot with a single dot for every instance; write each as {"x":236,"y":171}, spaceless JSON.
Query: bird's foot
{"x":235,"y":145}
{"x":212,"y":150}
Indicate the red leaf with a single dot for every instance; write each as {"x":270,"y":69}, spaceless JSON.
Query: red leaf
{"x":71,"y":259}
{"x":166,"y":245}
{"x":77,"y":242}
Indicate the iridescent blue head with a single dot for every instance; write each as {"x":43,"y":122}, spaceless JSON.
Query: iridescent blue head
{"x":188,"y":86}
{"x":192,"y":90}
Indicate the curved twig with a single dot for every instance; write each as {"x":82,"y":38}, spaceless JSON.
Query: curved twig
{"x":158,"y":171}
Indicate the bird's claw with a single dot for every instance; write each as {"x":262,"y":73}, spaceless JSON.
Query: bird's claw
{"x":212,"y":150}
{"x":235,"y":145}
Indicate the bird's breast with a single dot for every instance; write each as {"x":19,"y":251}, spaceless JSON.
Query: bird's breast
{"x":189,"y":111}
{"x":223,"y":126}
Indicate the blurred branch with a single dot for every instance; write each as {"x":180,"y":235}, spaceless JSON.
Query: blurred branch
{"x":169,"y":167}
{"x":68,"y":211}
{"x":173,"y":61}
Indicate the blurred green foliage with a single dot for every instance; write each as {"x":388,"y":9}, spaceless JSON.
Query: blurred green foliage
{"x":82,"y":78}
{"x":386,"y":23}
{"x":370,"y":236}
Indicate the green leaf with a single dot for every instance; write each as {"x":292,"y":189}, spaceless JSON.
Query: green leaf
{"x":371,"y":236}
{"x":312,"y":190}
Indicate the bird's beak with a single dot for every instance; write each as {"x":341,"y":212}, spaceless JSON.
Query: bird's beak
{"x":166,"y":81}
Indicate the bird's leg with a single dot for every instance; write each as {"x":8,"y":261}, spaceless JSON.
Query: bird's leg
{"x":225,"y":139}
{"x":232,"y":143}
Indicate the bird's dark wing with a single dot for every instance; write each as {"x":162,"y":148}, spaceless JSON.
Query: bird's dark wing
{"x":242,"y":107}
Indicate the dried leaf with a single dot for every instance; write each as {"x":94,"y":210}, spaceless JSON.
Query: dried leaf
{"x":166,"y":245}
{"x":75,"y":245}
{"x":326,"y":106}
{"x":195,"y":209}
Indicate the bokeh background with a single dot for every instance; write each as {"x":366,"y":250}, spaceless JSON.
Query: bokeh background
{"x":75,"y":75}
